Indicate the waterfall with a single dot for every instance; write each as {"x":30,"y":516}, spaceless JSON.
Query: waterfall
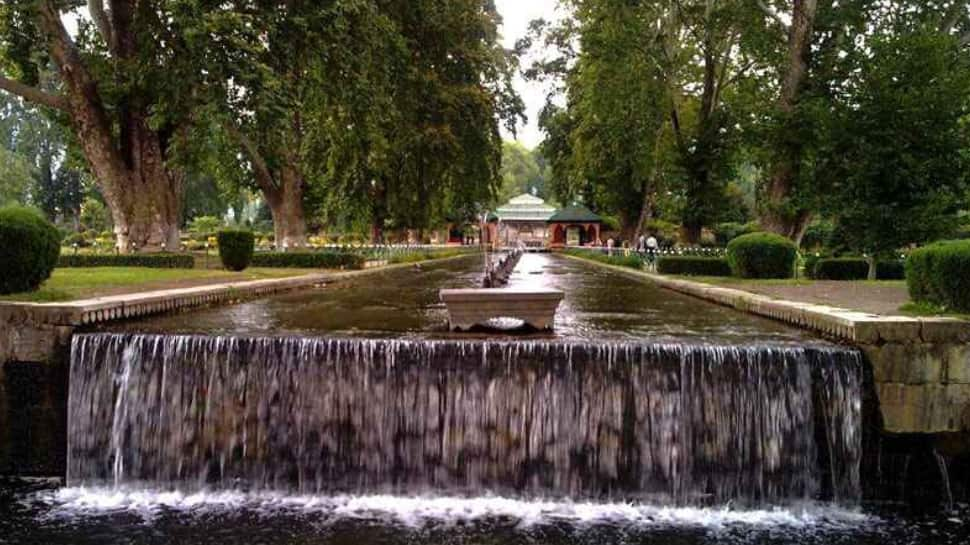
{"x":687,"y":424}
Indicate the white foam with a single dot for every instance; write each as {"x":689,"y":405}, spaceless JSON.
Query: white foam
{"x":417,"y":511}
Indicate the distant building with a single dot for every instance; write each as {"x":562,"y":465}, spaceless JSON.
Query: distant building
{"x":528,"y":220}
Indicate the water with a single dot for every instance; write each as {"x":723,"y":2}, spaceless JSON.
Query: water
{"x":599,"y":305}
{"x":663,"y":423}
{"x":351,"y":416}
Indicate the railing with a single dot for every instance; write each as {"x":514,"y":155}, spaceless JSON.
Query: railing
{"x":692,"y":251}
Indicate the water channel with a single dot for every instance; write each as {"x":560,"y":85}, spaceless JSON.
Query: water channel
{"x":350,"y":414}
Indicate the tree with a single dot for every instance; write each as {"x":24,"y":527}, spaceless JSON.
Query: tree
{"x":897,"y":164}
{"x":521,"y":172}
{"x":125,"y":84}
{"x":442,"y":149}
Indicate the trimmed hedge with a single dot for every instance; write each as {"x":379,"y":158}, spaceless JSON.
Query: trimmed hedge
{"x":30,"y":245}
{"x":236,"y":248}
{"x":855,"y":268}
{"x":151,"y":261}
{"x":940,"y":274}
{"x":693,"y":265}
{"x":762,"y":255}
{"x":309,"y":260}
{"x":618,"y":258}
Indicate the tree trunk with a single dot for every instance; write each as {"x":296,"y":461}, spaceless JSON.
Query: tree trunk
{"x":873,"y":268}
{"x":780,"y":215}
{"x":144,"y":195}
{"x":286,"y":205}
{"x":692,"y":232}
{"x":378,"y":214}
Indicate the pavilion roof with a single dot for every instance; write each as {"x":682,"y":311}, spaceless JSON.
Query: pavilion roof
{"x":575,"y":214}
{"x":525,"y":207}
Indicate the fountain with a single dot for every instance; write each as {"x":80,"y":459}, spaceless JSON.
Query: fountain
{"x":669,"y":423}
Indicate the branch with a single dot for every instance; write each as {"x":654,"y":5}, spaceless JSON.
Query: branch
{"x":772,"y":14}
{"x":102,"y":21}
{"x":33,"y":94}
{"x":264,"y":177}
{"x":965,"y":39}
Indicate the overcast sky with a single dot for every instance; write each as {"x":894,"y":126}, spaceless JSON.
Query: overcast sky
{"x":516,"y":15}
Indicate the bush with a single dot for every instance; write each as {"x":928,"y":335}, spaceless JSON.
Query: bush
{"x":693,"y":265}
{"x":76,"y":239}
{"x":762,"y":255}
{"x":666,"y":233}
{"x":309,"y":260}
{"x":151,"y":261}
{"x":30,"y":245}
{"x":854,"y":268}
{"x":938,"y":274}
{"x":236,"y":248}
{"x":726,"y":232}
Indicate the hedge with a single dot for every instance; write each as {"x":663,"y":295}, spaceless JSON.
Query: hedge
{"x":236,"y":248}
{"x":938,"y":274}
{"x":855,"y":268}
{"x":762,"y":255}
{"x":30,"y":245}
{"x":693,"y":265}
{"x":309,"y":260}
{"x":151,"y":261}
{"x":618,"y":258}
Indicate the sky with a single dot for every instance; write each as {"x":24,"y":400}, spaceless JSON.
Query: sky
{"x":516,"y":15}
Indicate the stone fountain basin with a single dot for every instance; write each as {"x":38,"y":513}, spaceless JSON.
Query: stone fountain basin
{"x":468,"y":308}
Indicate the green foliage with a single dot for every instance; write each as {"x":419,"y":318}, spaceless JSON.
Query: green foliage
{"x":937,"y":274}
{"x":205,"y":225}
{"x":30,"y":245}
{"x":762,"y":255}
{"x":897,"y":165}
{"x":236,"y":248}
{"x":854,"y":268}
{"x":151,"y":261}
{"x":309,"y":260}
{"x":522,"y":171}
{"x":94,"y":215}
{"x":726,"y":232}
{"x":695,"y":266}
{"x":424,"y":255}
{"x":618,"y":259}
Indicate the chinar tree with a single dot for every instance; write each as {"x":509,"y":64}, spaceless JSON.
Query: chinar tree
{"x":124,"y":82}
{"x":442,"y":146}
{"x":291,"y":84}
{"x":652,"y":89}
{"x":897,"y":167}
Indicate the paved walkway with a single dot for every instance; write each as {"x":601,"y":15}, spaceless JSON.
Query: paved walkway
{"x":883,"y":298}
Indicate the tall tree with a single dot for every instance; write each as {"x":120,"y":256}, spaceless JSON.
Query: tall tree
{"x":124,"y":82}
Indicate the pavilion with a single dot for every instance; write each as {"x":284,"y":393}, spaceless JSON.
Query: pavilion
{"x":528,"y":220}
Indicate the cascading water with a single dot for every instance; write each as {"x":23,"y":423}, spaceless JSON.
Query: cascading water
{"x":671,"y":423}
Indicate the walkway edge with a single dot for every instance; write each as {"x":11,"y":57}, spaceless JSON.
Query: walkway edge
{"x":833,"y":322}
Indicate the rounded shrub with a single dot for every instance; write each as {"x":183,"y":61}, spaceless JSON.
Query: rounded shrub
{"x":31,"y":246}
{"x":938,"y":274}
{"x":762,"y":255}
{"x":236,"y":248}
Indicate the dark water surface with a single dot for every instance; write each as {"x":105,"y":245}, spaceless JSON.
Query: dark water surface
{"x":599,"y":305}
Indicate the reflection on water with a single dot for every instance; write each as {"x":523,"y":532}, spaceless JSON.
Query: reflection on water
{"x":599,"y":304}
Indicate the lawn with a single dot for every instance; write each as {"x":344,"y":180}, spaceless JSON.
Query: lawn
{"x":70,"y":284}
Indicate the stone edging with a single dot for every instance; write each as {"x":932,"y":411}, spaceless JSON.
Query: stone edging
{"x":117,"y":307}
{"x":834,"y":322}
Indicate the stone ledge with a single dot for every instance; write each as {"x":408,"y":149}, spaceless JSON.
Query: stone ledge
{"x":839,"y":323}
{"x":118,"y":307}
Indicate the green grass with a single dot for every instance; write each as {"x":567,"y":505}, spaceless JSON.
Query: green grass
{"x":925,"y":309}
{"x":78,"y":283}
